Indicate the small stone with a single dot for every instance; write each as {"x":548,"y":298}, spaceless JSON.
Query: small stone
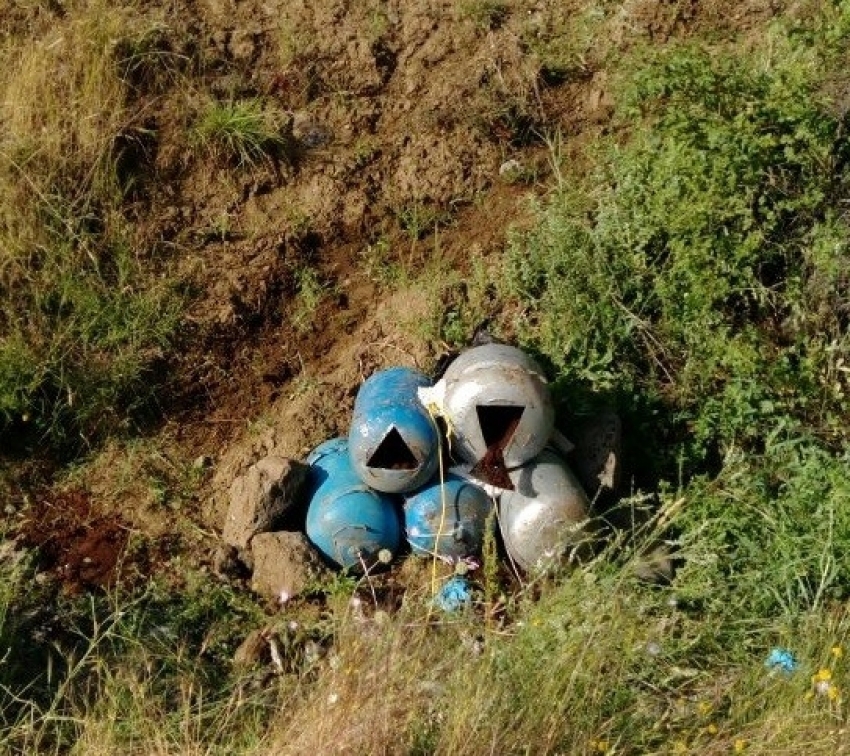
{"x":597,"y":457}
{"x":308,"y":132}
{"x":225,"y":561}
{"x":285,"y":564}
{"x":202,"y":462}
{"x":655,"y":566}
{"x":259,"y":498}
{"x":252,"y":650}
{"x":510,"y":168}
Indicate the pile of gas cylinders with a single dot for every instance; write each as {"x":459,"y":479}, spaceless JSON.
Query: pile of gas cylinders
{"x":430,"y":467}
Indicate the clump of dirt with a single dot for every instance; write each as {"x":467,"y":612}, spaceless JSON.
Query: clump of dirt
{"x":80,"y":547}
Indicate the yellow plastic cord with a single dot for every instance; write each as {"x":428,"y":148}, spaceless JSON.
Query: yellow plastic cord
{"x":431,"y":411}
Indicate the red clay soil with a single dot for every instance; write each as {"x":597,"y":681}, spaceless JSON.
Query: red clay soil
{"x":80,"y":547}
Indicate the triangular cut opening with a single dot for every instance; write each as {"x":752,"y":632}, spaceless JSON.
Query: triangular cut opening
{"x":393,"y":453}
{"x":498,"y":424}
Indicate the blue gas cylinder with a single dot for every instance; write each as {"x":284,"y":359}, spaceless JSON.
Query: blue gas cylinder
{"x":394,"y":443}
{"x":447,"y":519}
{"x":348,"y":522}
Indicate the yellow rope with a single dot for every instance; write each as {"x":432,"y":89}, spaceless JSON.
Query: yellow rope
{"x":443,"y":508}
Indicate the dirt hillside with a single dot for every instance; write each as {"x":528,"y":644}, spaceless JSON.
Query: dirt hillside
{"x":413,"y":132}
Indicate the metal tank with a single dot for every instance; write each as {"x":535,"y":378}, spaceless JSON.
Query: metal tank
{"x":393,"y":441}
{"x":544,"y":520}
{"x":447,"y":519}
{"x":348,"y":522}
{"x":497,"y":406}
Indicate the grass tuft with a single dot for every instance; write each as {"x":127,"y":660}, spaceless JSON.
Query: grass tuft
{"x":243,"y":132}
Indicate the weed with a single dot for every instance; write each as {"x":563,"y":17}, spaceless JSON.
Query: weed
{"x":490,"y":14}
{"x":418,"y":219}
{"x":366,"y":150}
{"x":311,"y":292}
{"x":377,"y":261}
{"x":567,"y":44}
{"x":243,"y":132}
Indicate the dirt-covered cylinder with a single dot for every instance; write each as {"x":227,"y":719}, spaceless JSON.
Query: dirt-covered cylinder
{"x":447,"y":519}
{"x":394,"y":443}
{"x":544,"y":520}
{"x":348,"y":522}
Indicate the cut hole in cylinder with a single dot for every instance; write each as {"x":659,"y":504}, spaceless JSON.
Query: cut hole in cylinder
{"x":498,"y":424}
{"x":393,"y":454}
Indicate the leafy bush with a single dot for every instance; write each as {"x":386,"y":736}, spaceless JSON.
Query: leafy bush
{"x":702,"y":272}
{"x":706,"y":261}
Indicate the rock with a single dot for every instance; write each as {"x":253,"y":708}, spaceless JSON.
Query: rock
{"x":655,"y":565}
{"x":253,"y":650}
{"x":308,"y":132}
{"x":284,"y":565}
{"x":510,"y":169}
{"x":597,"y":457}
{"x":202,"y":462}
{"x":259,"y":498}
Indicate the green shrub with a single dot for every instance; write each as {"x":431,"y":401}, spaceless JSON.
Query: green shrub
{"x":705,"y":261}
{"x":699,"y":278}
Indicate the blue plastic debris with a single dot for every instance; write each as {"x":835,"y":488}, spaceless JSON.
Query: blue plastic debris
{"x":393,"y":441}
{"x":348,"y":522}
{"x":455,"y":595}
{"x":781,"y":659}
{"x":447,"y":519}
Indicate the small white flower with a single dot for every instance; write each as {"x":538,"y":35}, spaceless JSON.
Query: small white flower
{"x":283,"y":598}
{"x":333,"y":698}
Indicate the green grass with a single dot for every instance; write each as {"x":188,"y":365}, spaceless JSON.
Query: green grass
{"x":243,"y":132}
{"x":87,"y":312}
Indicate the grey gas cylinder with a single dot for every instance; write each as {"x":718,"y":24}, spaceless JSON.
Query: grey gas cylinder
{"x":496,"y":402}
{"x":545,"y":517}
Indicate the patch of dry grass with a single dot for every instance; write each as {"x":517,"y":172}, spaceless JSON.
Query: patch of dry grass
{"x":83,"y":317}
